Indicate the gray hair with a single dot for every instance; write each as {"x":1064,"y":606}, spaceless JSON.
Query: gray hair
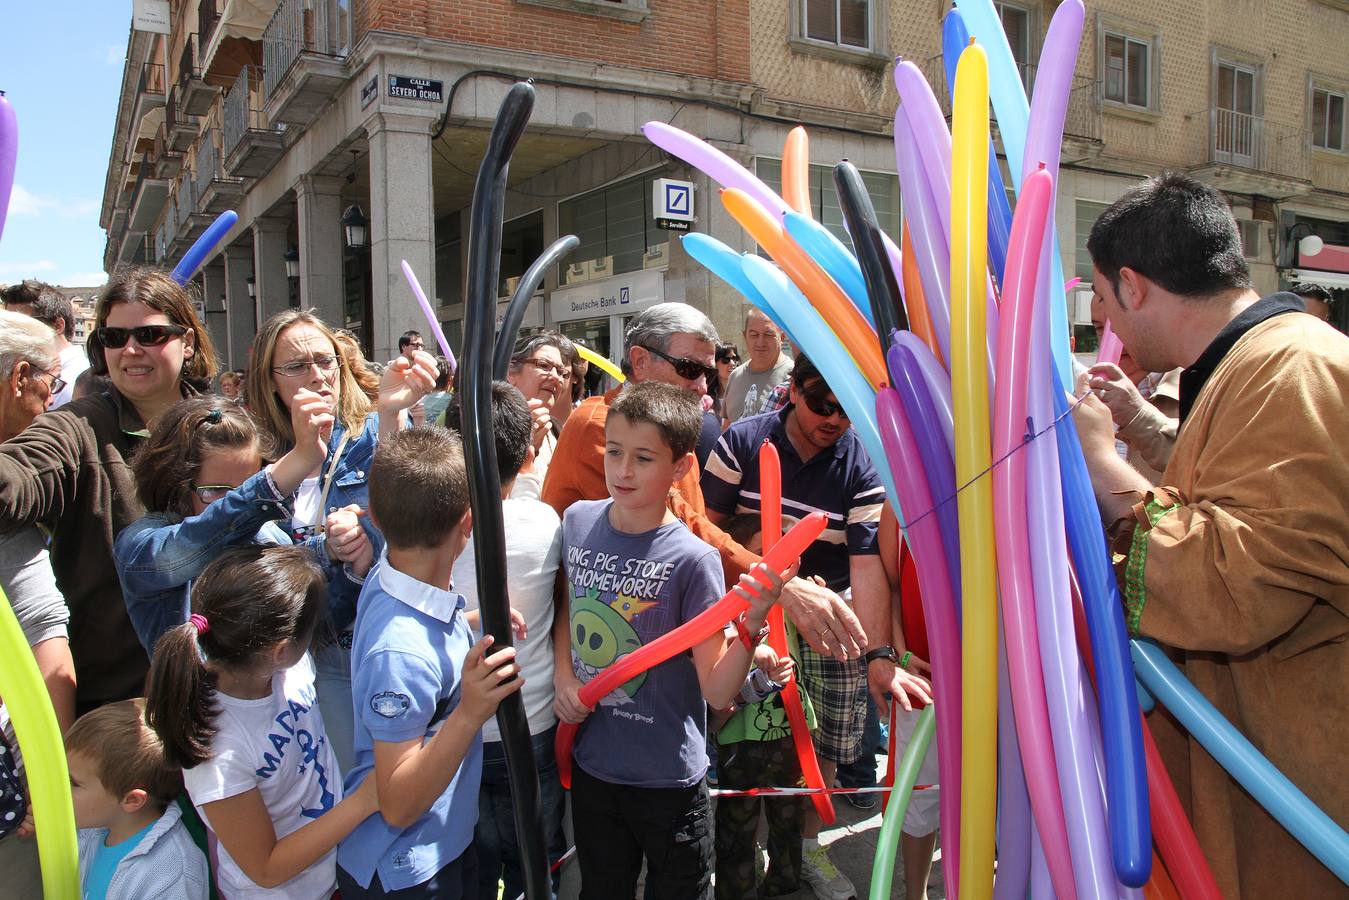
{"x":655,"y":327}
{"x":525,"y":347}
{"x":25,"y":339}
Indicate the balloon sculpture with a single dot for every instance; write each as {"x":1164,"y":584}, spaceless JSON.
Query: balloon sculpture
{"x":475,"y":387}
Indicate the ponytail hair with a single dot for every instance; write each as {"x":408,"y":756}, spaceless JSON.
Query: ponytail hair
{"x":168,"y":462}
{"x":246,"y":603}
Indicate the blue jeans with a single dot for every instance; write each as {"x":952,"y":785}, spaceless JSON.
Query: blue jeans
{"x":494,"y":835}
{"x":332,"y":681}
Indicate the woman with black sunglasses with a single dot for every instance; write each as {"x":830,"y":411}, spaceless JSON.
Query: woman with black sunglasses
{"x":69,"y":470}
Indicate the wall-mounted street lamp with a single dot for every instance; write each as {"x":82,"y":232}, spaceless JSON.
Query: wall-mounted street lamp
{"x":252,"y":287}
{"x":292,"y":259}
{"x":355,"y":225}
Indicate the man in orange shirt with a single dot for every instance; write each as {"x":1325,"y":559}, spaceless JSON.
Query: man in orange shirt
{"x":676,"y":344}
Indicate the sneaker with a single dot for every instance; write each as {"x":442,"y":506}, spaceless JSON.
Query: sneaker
{"x":861,"y":801}
{"x":824,"y":878}
{"x":760,"y":863}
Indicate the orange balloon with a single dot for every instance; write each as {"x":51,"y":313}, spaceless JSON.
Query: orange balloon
{"x":1159,"y":886}
{"x":829,"y":301}
{"x":914,"y":301}
{"x":796,"y":171}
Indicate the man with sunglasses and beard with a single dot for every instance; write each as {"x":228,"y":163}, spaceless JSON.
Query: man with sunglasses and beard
{"x":676,"y":344}
{"x":824,"y":469}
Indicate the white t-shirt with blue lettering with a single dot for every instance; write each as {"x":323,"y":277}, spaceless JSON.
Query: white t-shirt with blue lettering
{"x":276,"y":744}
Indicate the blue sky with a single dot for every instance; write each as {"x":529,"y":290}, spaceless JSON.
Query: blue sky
{"x":62,"y":72}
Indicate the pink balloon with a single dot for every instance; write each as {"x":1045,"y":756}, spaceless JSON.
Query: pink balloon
{"x":1016,"y":588}
{"x":1112,"y":348}
{"x":939,"y":611}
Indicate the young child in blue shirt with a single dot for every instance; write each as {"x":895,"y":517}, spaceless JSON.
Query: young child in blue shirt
{"x":636,"y":573}
{"x":421,"y":688}
{"x":133,"y":843}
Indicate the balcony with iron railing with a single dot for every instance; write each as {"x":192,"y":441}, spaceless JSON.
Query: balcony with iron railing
{"x":194,"y":93}
{"x":151,"y":93}
{"x":1250,"y":154}
{"x":215,"y":191}
{"x":251,"y":147}
{"x":180,"y":128}
{"x":303,"y":51}
{"x":1081,"y":123}
{"x":189,"y":224}
{"x":167,"y":162}
{"x":207,"y":17}
{"x":147,"y":197}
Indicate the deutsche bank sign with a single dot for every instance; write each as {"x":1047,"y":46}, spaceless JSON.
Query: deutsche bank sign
{"x":672,"y":204}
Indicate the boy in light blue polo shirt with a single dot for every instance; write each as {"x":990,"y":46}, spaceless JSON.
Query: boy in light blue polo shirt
{"x":421,"y":692}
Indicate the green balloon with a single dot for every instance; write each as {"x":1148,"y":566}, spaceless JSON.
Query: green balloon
{"x":906,"y":776}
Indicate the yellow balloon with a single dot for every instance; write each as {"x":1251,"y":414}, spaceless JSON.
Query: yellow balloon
{"x":970,"y":388}
{"x":595,"y":359}
{"x":44,"y":755}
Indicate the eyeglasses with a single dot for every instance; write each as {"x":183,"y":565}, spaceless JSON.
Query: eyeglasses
{"x":562,"y":373}
{"x":730,"y":360}
{"x":822,"y":407}
{"x":57,"y":384}
{"x":210,"y":493}
{"x":684,"y":367}
{"x":300,"y":367}
{"x":145,"y":335}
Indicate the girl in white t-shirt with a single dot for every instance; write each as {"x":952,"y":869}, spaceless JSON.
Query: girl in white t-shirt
{"x":231,"y":696}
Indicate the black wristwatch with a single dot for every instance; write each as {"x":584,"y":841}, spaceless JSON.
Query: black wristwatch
{"x":885,"y":651}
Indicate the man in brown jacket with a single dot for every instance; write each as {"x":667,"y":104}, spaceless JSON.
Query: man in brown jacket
{"x":1238,"y":560}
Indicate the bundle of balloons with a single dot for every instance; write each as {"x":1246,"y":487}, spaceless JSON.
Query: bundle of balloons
{"x":950,"y":354}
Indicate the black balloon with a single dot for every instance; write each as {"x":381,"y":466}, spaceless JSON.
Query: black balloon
{"x":882,"y":286}
{"x":524,"y":292}
{"x":475,"y":387}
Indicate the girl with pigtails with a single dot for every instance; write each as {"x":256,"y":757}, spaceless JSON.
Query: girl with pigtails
{"x":201,"y":476}
{"x":231,"y":696}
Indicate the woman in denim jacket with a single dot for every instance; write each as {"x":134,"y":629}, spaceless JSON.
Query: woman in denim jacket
{"x":294,"y":356}
{"x":200,"y":473}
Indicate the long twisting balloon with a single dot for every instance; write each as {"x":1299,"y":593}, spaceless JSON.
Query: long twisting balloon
{"x":524,"y":292}
{"x":484,"y":265}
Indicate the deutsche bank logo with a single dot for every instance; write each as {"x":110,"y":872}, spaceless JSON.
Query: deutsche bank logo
{"x":678,"y":199}
{"x":624,"y":296}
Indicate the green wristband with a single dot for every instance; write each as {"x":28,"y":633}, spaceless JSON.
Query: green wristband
{"x":904,"y":660}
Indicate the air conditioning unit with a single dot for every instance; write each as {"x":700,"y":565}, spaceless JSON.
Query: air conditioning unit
{"x":656,"y":257}
{"x":576,"y":272}
{"x":1081,"y":307}
{"x":602,"y":268}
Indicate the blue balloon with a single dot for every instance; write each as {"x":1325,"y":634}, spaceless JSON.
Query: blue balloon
{"x":834,"y":257}
{"x":1146,"y":702}
{"x":1121,"y":728}
{"x":724,"y":263}
{"x":954,"y":39}
{"x":1303,"y":819}
{"x":812,"y":334}
{"x":197,"y":253}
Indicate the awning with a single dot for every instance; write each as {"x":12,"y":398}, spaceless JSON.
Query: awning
{"x":1331,"y":280}
{"x":245,"y":18}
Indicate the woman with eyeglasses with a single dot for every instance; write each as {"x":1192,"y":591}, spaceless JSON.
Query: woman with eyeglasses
{"x":727,"y":358}
{"x":298,"y":361}
{"x":541,"y":369}
{"x":201,"y":476}
{"x":69,"y":470}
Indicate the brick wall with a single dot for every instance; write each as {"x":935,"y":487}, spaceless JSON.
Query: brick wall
{"x":707,"y":38}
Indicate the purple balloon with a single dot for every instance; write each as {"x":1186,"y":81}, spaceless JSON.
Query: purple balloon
{"x":1015,"y":824}
{"x":938,"y":382}
{"x":9,"y":155}
{"x":930,"y":243}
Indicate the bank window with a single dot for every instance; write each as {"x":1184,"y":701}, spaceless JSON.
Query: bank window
{"x":846,"y":23}
{"x":1088,"y":211}
{"x":1328,"y":119}
{"x":449,"y":262}
{"x":521,"y":244}
{"x":882,"y":187}
{"x":1127,"y":74}
{"x":617,"y":229}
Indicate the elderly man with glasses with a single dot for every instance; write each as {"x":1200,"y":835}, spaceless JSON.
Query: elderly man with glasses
{"x":676,"y":344}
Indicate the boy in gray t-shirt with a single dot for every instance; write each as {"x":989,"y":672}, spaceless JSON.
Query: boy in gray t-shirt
{"x":635,"y":573}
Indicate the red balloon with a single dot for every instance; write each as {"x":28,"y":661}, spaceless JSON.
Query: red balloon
{"x":770,"y":517}
{"x":698,"y":629}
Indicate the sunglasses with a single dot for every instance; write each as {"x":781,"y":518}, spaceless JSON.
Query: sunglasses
{"x":822,"y":407}
{"x":684,"y":367}
{"x":733,"y":360}
{"x":145,"y":335}
{"x":210,"y":493}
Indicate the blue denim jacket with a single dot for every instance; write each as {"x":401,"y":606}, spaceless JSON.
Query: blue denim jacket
{"x":158,"y":556}
{"x":351,"y":484}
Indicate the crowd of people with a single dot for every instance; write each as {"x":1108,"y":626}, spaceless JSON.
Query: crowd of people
{"x":252,"y":594}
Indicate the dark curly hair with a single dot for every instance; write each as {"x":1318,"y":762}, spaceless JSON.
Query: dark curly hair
{"x":169,"y":460}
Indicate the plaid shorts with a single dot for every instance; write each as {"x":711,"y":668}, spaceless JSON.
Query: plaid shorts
{"x":838,"y":691}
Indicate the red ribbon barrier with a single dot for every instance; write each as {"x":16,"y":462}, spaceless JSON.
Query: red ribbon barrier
{"x":695,"y":631}
{"x":770,"y":518}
